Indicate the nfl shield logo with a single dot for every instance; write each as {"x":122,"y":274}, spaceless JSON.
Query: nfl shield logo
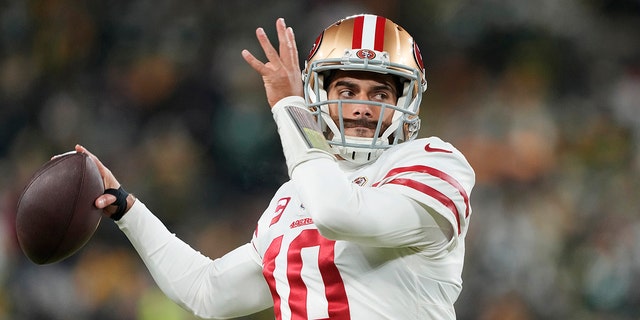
{"x":361,"y":181}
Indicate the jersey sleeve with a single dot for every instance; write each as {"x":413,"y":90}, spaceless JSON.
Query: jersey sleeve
{"x":419,"y":201}
{"x":437,"y":175}
{"x":227,"y":287}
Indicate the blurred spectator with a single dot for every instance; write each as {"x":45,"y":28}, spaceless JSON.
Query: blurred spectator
{"x":542,"y":96}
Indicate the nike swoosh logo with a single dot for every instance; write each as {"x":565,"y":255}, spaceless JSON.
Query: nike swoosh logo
{"x":429,"y":148}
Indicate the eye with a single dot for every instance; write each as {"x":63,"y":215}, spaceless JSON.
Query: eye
{"x":382,"y":96}
{"x":346,"y":93}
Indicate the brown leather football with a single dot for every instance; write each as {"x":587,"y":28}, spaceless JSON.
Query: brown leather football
{"x":56,"y":212}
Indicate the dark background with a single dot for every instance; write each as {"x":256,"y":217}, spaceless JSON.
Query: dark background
{"x":542,"y":96}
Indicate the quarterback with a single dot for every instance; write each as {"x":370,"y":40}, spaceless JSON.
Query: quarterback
{"x":371,"y":224}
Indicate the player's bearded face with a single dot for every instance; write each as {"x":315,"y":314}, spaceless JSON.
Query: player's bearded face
{"x":360,"y":119}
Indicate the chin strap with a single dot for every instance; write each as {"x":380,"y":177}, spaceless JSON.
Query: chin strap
{"x":358,"y":155}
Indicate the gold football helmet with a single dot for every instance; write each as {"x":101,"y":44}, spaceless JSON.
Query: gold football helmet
{"x":366,"y":43}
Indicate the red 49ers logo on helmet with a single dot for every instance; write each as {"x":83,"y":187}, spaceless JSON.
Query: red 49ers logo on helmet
{"x":366,"y":54}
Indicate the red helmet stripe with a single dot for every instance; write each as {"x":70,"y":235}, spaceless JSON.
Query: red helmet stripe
{"x":379,"y":40}
{"x":368,"y":32}
{"x":356,"y":42}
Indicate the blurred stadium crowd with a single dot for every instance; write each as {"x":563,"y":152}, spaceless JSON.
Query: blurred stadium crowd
{"x":542,"y":96}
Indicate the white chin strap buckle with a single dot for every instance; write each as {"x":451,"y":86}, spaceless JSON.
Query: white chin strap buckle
{"x":358,"y":155}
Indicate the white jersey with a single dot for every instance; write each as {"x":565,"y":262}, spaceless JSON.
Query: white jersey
{"x":390,"y":247}
{"x":399,"y":271}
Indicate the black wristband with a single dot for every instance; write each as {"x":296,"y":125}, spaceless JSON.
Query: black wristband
{"x":121,"y":202}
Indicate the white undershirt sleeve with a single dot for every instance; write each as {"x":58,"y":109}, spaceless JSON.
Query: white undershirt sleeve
{"x":227,"y":287}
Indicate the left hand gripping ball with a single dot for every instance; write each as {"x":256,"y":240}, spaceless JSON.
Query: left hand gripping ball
{"x":56,"y":212}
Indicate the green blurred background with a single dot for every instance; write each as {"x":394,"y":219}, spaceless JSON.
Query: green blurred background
{"x":541,"y":95}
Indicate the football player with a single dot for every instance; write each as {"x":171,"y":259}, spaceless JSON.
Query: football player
{"x":371,"y":224}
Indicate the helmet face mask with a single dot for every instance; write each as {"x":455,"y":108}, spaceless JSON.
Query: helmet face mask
{"x":371,"y":44}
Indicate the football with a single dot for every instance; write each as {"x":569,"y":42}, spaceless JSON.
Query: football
{"x":56,"y":214}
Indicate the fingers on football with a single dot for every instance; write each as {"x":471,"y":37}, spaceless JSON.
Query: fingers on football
{"x":95,"y":159}
{"x":108,"y":179}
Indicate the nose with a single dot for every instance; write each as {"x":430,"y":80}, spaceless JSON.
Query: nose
{"x":360,"y":110}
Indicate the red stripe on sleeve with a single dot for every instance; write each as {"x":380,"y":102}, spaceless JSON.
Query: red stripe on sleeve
{"x":433,"y":172}
{"x":358,"y":25}
{"x":378,"y":44}
{"x":446,"y":201}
